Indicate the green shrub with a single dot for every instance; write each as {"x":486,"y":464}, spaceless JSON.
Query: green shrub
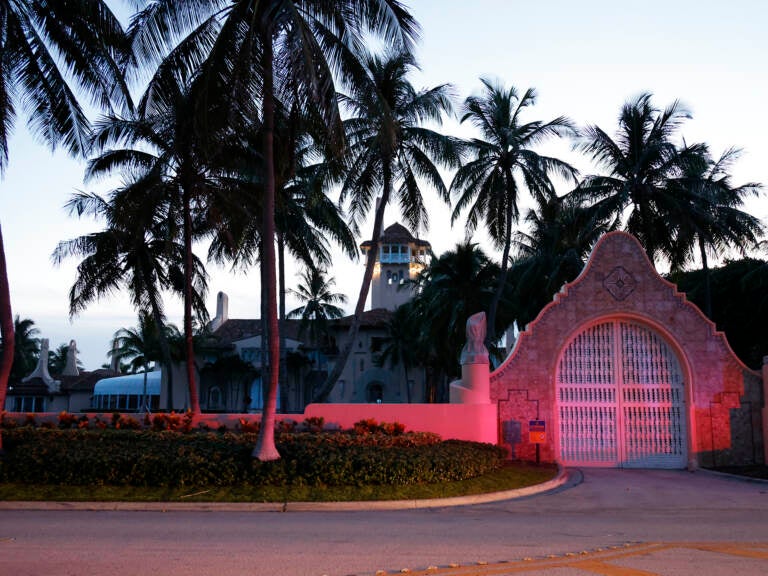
{"x":123,"y":456}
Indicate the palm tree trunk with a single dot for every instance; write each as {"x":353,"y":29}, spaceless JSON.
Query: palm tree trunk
{"x":407,"y":385}
{"x":265,"y":445}
{"x":490,"y":335}
{"x":707,"y":279}
{"x":165,"y":349}
{"x":144,"y":406}
{"x":188,"y":267}
{"x":322,"y":394}
{"x":282,"y":380}
{"x":6,"y":331}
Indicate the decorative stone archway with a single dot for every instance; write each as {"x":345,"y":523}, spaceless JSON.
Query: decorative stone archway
{"x":625,"y":372}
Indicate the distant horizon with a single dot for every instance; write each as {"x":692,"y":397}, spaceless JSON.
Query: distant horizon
{"x":584,"y":59}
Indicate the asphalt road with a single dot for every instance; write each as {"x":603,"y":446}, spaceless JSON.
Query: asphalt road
{"x":631,"y":510}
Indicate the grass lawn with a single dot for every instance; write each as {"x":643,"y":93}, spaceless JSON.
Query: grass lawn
{"x":509,"y":477}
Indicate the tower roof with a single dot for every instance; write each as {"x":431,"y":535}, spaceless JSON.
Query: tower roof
{"x":397,"y":234}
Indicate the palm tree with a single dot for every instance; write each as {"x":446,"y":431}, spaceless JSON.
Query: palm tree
{"x":164,"y":141}
{"x":26,"y":349}
{"x":459,"y":283}
{"x":135,"y":252}
{"x":401,"y":343}
{"x":319,"y":304}
{"x":710,"y":218}
{"x":389,"y":154}
{"x":504,"y":164}
{"x":560,"y":237}
{"x":305,"y":217}
{"x":640,"y":163}
{"x":140,"y":346}
{"x":252,"y":52}
{"x":36,"y":37}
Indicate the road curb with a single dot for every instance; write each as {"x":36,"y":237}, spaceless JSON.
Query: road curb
{"x":564,"y":479}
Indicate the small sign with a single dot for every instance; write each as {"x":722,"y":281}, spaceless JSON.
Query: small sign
{"x":537,"y":432}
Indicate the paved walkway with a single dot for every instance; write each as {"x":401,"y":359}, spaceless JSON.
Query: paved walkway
{"x":642,"y":559}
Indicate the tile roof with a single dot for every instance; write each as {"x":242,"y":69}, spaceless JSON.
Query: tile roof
{"x":83,"y":382}
{"x":239,"y":329}
{"x":376,"y":318}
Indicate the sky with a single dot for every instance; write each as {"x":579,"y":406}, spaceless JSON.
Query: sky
{"x":585,"y":60}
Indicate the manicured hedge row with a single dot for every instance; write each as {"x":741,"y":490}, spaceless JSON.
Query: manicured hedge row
{"x":169,"y":458}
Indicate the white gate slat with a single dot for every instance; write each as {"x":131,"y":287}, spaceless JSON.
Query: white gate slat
{"x":620,"y":399}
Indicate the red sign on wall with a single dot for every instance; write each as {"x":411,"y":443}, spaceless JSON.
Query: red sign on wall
{"x":537,"y":432}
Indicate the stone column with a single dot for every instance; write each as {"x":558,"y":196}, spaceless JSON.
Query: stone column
{"x":475,"y":384}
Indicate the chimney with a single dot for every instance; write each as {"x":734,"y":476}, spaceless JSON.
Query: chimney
{"x":70,"y":369}
{"x":222,"y":312}
{"x":41,"y":370}
{"x":114,"y":362}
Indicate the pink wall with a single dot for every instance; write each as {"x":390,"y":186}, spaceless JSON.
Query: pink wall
{"x":476,"y":422}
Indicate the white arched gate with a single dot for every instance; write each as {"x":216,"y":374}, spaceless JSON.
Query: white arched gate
{"x":620,"y":399}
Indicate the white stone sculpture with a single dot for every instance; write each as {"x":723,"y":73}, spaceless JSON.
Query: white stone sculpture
{"x":474,"y":351}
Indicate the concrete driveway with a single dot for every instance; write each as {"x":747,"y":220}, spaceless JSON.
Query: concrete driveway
{"x":615,"y":522}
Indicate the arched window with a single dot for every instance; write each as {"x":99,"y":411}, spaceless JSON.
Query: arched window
{"x":375,"y":393}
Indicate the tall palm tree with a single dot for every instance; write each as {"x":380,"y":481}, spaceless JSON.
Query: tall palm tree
{"x":47,"y":47}
{"x":504,"y":164}
{"x":320,"y":304}
{"x":253,"y":51}
{"x":135,"y":252}
{"x":639,"y":164}
{"x":305,"y":217}
{"x":164,"y":140}
{"x":710,"y":218}
{"x":390,"y":154}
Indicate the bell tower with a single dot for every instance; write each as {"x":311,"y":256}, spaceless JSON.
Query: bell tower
{"x":400,"y":258}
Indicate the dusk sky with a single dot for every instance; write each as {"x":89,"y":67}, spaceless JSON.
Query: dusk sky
{"x":584,"y":58}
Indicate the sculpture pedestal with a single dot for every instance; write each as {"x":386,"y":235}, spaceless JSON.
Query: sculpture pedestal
{"x":474,"y":386}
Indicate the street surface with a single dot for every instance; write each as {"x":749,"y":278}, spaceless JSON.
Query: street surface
{"x":616,"y":523}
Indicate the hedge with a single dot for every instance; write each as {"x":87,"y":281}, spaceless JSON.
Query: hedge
{"x":172,"y":458}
